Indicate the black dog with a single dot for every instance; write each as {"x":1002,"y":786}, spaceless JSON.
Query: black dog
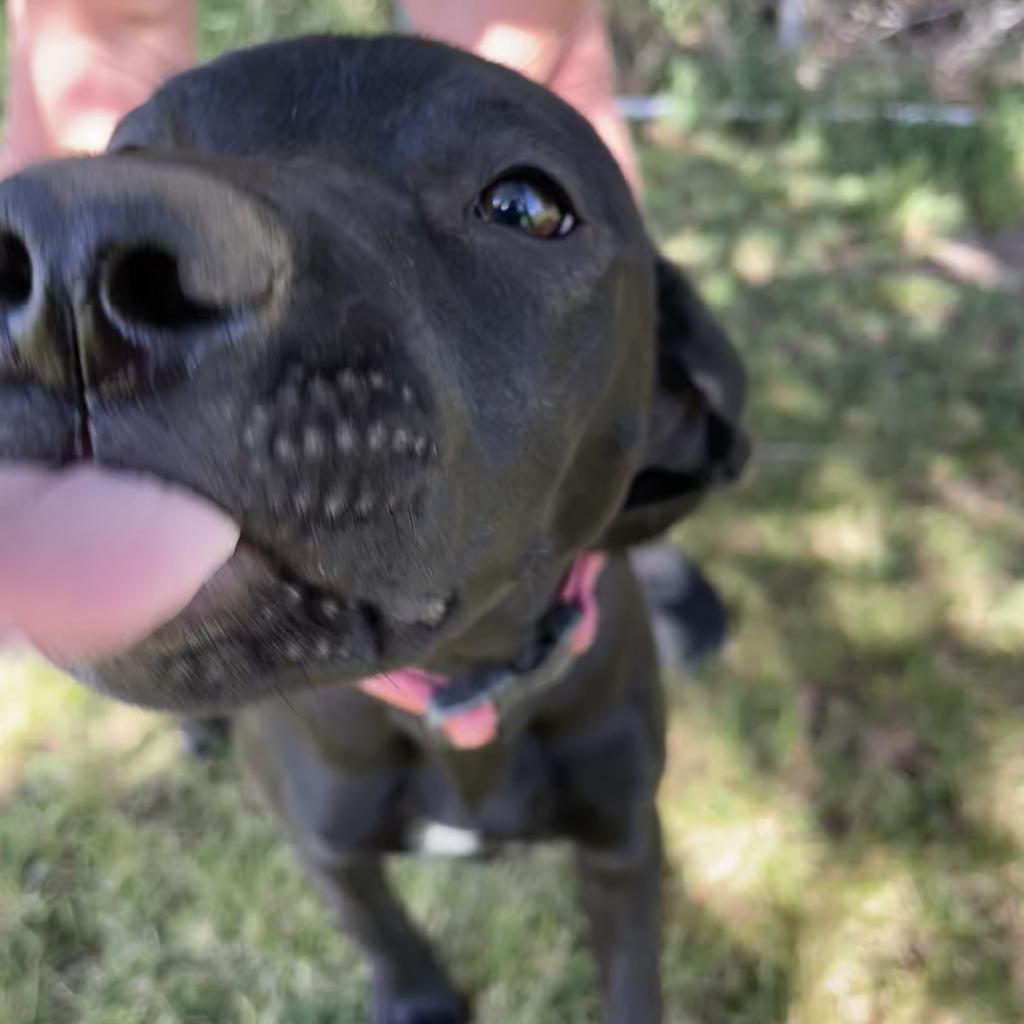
{"x":391,"y":312}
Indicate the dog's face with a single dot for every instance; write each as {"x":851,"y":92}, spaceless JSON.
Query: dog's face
{"x":392,"y":310}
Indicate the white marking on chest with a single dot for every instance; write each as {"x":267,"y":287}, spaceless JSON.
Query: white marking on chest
{"x":437,"y":840}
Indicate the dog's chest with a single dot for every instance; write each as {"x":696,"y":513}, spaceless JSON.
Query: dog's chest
{"x":436,"y":839}
{"x":462,"y":801}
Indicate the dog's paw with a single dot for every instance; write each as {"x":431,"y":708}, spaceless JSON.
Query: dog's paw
{"x":441,"y":1007}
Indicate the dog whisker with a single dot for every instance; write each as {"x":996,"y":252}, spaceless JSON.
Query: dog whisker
{"x":291,"y":707}
{"x":393,"y":684}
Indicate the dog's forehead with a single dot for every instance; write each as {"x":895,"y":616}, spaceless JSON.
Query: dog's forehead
{"x":407,"y":112}
{"x":382,"y":95}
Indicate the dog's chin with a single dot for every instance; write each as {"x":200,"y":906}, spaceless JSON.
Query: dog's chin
{"x":255,"y":631}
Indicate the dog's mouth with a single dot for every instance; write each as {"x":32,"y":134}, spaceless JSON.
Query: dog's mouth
{"x":99,"y":566}
{"x":257,"y":629}
{"x":312,"y":622}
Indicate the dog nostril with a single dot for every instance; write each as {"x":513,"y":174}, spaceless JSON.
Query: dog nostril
{"x":142,"y":289}
{"x":15,"y":272}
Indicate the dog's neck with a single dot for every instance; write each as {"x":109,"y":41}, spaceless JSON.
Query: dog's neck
{"x":467,"y":711}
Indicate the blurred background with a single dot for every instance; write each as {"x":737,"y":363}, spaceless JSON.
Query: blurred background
{"x":844,"y":801}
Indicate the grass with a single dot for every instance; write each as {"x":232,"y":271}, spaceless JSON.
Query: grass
{"x":844,"y":803}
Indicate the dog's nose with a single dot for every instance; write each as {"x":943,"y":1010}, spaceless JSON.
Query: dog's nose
{"x":124,"y":272}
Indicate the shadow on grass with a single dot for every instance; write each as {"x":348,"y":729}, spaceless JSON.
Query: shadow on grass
{"x":142,"y":888}
{"x":873,"y":559}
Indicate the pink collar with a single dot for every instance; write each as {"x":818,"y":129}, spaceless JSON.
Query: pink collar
{"x":414,"y":690}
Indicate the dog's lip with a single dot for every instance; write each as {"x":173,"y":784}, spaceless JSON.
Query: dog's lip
{"x":255,"y":602}
{"x":259,"y":598}
{"x":429,"y":611}
{"x":257,"y":631}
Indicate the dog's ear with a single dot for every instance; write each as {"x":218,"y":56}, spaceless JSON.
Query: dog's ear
{"x":695,"y":438}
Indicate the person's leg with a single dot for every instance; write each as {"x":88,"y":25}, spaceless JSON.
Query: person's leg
{"x":77,"y":66}
{"x":562,"y":44}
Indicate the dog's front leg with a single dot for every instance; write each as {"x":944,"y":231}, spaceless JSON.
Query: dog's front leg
{"x":409,"y":986}
{"x":621,"y":889}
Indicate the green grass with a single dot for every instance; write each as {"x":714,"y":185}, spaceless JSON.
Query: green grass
{"x":227,"y":23}
{"x":844,"y":803}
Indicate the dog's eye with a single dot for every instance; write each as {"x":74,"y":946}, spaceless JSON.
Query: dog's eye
{"x":529,"y":202}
